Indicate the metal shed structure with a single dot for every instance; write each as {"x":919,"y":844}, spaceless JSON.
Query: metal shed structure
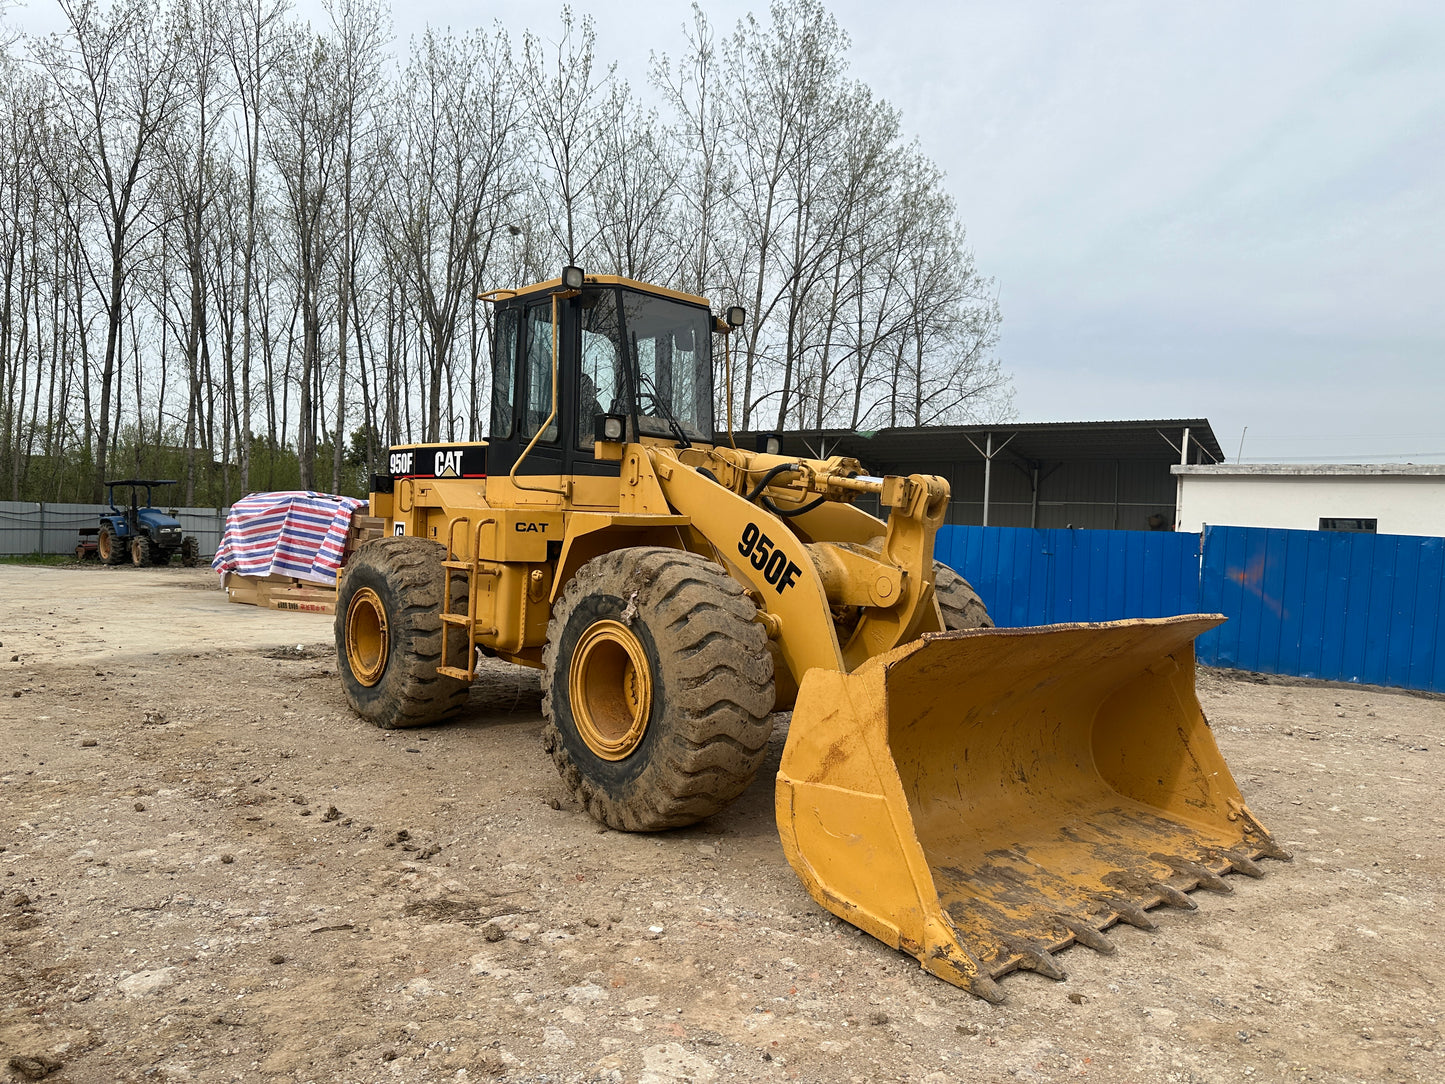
{"x":1100,"y":475}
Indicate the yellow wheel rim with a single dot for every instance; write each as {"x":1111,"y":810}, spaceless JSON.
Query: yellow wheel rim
{"x":609,"y":685}
{"x":104,"y":546}
{"x":366,"y":636}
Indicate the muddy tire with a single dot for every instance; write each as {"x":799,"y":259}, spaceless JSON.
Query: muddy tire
{"x":657,"y":688}
{"x":961,"y":606}
{"x":389,"y":638}
{"x":108,"y":547}
{"x":190,"y":551}
{"x":140,"y":551}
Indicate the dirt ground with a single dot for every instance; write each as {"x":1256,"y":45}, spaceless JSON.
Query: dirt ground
{"x":211,"y":871}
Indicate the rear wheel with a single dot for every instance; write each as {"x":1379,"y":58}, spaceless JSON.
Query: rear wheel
{"x":108,"y":547}
{"x":657,"y":688}
{"x":388,"y":634}
{"x":961,"y":606}
{"x":140,"y":551}
{"x":190,"y":551}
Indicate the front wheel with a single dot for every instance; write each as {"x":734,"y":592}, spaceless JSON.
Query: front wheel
{"x":961,"y":606}
{"x":190,"y":551}
{"x":389,"y":634}
{"x":657,"y":688}
{"x":140,"y":551}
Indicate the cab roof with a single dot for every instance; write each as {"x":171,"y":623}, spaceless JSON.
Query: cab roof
{"x":602,"y":280}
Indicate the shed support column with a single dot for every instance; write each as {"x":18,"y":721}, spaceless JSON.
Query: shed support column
{"x":1179,"y":482}
{"x":1116,"y":495}
{"x":1034,"y":510}
{"x":987,"y":474}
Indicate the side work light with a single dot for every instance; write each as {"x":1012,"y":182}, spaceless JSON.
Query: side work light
{"x":609,"y":428}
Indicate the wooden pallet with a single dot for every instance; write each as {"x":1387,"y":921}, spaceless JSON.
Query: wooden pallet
{"x":280,"y":593}
{"x":288,"y":593}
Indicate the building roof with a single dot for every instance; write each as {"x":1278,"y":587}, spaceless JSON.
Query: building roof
{"x":1028,"y":441}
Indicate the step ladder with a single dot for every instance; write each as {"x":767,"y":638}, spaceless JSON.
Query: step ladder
{"x":475,"y":568}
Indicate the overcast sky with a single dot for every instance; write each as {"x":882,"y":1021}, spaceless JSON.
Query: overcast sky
{"x":1226,"y":210}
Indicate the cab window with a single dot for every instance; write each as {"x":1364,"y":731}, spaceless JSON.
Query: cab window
{"x":538,"y":345}
{"x":504,"y":360}
{"x":600,"y":387}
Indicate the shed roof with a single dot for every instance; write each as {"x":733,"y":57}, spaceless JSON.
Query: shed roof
{"x":1029,"y":441}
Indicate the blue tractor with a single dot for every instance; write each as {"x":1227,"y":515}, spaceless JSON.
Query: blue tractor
{"x":145,"y":535}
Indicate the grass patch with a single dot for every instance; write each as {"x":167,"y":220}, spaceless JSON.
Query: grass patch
{"x":39,"y":559}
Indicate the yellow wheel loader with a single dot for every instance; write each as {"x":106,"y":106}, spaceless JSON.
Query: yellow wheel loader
{"x":980,"y":798}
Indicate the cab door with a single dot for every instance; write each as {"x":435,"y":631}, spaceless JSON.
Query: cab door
{"x":589,"y":372}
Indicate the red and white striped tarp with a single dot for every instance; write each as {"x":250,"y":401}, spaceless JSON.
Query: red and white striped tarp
{"x":296,"y":533}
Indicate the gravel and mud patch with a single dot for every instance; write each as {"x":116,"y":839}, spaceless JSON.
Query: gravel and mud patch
{"x":210,"y":870}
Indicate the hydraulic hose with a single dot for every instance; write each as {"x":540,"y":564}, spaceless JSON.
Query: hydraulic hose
{"x":789,"y":513}
{"x":766,"y":480}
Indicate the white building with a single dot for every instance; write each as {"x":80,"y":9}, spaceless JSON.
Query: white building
{"x":1384,"y":498}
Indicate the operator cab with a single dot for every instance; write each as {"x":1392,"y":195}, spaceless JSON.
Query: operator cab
{"x":636,"y":354}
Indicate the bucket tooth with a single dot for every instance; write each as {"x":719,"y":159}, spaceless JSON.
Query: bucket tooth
{"x":1089,"y":937}
{"x":1172,"y":897}
{"x":1268,"y":848}
{"x":1241,"y":863}
{"x":984,"y":987}
{"x":1127,"y":912}
{"x":1206,"y":877}
{"x":1037,"y":958}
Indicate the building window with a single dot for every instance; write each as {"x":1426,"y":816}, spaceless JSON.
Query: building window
{"x":1365,"y":526}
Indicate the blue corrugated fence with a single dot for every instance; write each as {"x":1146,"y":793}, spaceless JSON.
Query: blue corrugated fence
{"x":1040,"y":577}
{"x":1346,"y":607}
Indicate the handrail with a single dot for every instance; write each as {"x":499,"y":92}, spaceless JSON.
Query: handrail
{"x":512,"y":474}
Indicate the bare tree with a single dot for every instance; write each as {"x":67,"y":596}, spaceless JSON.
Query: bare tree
{"x":361,"y":30}
{"x":305,"y":145}
{"x":251,"y":39}
{"x":633,"y":192}
{"x":224,"y":234}
{"x":118,"y":94}
{"x":451,"y":183}
{"x":564,"y":93}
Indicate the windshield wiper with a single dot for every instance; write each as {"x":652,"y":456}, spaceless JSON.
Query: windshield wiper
{"x":645,"y":384}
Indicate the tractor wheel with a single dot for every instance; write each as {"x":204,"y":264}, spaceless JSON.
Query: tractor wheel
{"x":190,"y":551}
{"x":657,"y":688}
{"x":389,"y":634}
{"x":961,"y":606}
{"x":140,"y":551}
{"x":108,"y":547}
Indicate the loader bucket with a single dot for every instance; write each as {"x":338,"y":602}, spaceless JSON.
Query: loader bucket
{"x":984,"y":799}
